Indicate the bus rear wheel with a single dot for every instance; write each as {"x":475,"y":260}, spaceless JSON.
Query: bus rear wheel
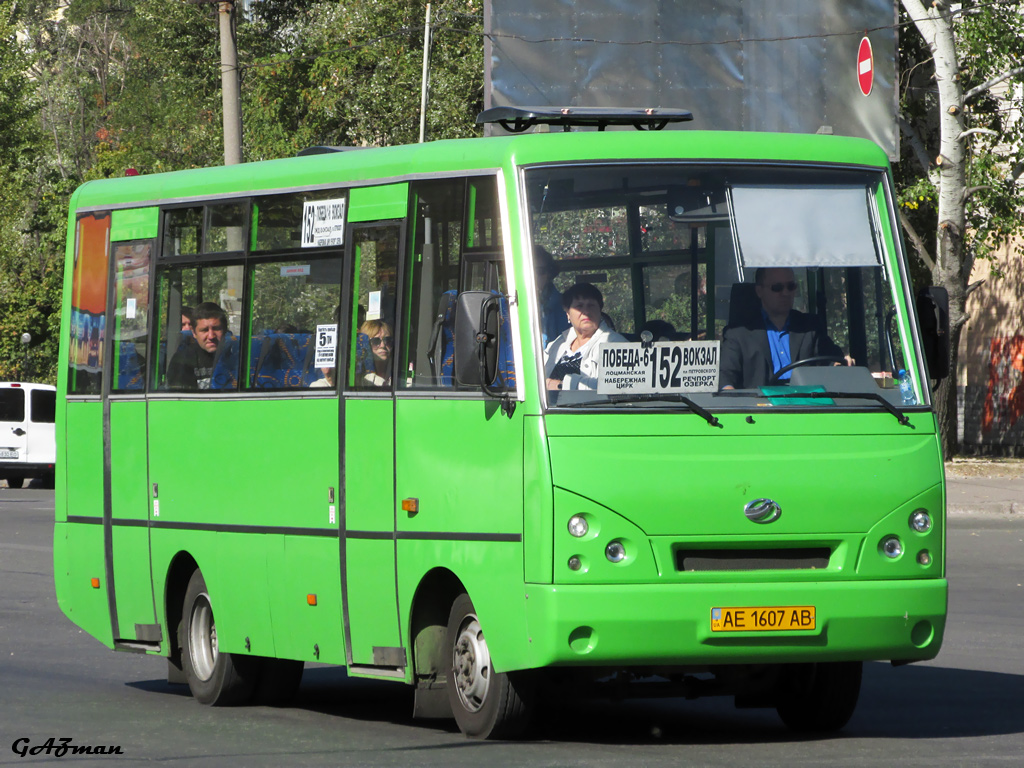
{"x":821,"y":697}
{"x":486,"y":704}
{"x":215,"y":678}
{"x":15,"y":482}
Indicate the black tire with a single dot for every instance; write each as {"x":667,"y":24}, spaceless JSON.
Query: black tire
{"x":819,"y":698}
{"x":15,"y":482}
{"x":49,"y":482}
{"x":486,"y":704}
{"x":215,"y":678}
{"x":279,"y":682}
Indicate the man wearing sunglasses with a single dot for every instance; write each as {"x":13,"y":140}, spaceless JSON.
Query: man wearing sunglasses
{"x":779,"y":335}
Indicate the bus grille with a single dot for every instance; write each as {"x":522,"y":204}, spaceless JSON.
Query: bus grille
{"x":807,"y":558}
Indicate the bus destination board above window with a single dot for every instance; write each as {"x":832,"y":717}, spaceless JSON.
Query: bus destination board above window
{"x":664,"y":366}
{"x":323,"y":223}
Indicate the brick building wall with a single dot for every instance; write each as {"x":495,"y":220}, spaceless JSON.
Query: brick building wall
{"x":991,"y":369}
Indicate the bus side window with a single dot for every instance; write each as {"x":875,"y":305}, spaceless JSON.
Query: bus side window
{"x":456,"y":246}
{"x":131,"y":314}
{"x":88,"y":304}
{"x":291,"y":300}
{"x":375,"y":279}
{"x":197,"y":345}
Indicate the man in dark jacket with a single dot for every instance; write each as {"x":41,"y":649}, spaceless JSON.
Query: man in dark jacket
{"x":192,"y":367}
{"x":753,"y":351}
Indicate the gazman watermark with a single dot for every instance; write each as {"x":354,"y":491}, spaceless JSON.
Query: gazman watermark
{"x":60,"y":747}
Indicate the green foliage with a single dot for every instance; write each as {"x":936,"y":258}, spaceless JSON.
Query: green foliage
{"x":349,"y":74}
{"x":990,"y":41}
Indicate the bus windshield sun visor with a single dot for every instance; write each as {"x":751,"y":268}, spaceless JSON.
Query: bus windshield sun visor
{"x":806,"y":225}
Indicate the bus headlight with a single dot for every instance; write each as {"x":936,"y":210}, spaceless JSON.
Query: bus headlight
{"x":920,"y":520}
{"x":891,"y":546}
{"x":615,"y":552}
{"x":578,"y":526}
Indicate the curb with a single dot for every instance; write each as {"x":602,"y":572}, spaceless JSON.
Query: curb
{"x":1006,"y":510}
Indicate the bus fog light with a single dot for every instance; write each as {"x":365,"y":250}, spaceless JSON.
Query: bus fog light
{"x":615,"y":552}
{"x":921,"y":521}
{"x":578,"y":526}
{"x":891,"y":546}
{"x":924,"y":557}
{"x":575,"y":563}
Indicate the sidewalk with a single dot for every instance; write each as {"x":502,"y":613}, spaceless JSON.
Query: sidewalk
{"x":985,"y":488}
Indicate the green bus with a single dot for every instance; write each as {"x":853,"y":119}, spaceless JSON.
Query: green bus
{"x":485,"y":417}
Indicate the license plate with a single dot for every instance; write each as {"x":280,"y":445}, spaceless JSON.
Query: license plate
{"x":777,"y":618}
{"x":6,"y":453}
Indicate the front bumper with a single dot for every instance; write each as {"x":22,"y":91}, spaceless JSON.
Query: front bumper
{"x":670,"y":625}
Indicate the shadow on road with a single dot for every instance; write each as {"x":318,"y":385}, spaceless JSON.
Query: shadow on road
{"x":912,"y":702}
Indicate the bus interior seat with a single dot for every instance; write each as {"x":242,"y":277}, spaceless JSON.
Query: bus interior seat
{"x":129,"y":368}
{"x":442,"y":341}
{"x":506,"y":374}
{"x":225,"y":364}
{"x":744,"y":305}
{"x":363,"y":362}
{"x":285,"y":361}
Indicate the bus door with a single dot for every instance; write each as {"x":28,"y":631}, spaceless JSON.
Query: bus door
{"x":373,"y":637}
{"x":459,"y":451}
{"x":126,"y":480}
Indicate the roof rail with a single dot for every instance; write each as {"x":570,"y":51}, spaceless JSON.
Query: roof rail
{"x":519,"y":119}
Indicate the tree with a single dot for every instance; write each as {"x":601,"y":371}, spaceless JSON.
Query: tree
{"x":349,"y":74}
{"x":29,"y":287}
{"x":962,"y":159}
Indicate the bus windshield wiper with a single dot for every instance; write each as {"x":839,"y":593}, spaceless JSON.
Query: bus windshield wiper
{"x":900,"y":416}
{"x":672,"y":397}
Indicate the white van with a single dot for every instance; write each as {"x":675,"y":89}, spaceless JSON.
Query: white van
{"x":28,"y":445}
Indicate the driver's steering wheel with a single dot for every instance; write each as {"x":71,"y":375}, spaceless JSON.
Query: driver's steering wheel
{"x":816,"y":360}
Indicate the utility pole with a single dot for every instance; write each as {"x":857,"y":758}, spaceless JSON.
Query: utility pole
{"x":425,"y":85}
{"x":229,"y":88}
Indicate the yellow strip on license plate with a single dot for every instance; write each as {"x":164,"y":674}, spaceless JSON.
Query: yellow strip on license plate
{"x":779,"y":618}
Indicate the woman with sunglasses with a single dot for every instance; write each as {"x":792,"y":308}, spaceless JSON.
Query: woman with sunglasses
{"x":777,"y":336}
{"x":378,"y":367}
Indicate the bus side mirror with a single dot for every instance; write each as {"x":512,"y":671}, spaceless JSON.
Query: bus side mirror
{"x":933,"y":314}
{"x":478,"y":340}
{"x":470,"y":334}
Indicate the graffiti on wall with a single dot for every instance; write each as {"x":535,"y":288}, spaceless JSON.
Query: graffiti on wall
{"x":1004,"y":402}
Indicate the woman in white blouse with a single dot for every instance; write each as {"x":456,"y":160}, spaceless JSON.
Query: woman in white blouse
{"x":571,"y":360}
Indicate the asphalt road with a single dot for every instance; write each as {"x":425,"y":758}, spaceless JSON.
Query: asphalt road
{"x":966,"y":708}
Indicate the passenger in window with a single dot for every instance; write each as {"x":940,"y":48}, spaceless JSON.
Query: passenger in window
{"x":777,"y":336}
{"x":376,"y":368}
{"x":192,"y":366}
{"x":571,"y":361}
{"x":187,"y":320}
{"x":326,"y":380}
{"x":552,"y":316}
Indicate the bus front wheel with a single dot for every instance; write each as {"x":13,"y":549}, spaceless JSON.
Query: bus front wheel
{"x":821,"y":697}
{"x":215,"y":678}
{"x":486,"y":704}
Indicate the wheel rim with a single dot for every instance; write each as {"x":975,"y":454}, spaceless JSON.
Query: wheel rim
{"x":202,"y":646}
{"x":471,"y":663}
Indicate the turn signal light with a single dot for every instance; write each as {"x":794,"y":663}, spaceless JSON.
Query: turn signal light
{"x":311,"y":599}
{"x":95,"y":582}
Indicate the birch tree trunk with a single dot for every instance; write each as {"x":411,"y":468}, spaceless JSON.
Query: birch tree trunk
{"x":952,"y":261}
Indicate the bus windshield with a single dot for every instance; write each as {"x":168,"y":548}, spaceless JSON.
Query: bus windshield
{"x":732,"y":286}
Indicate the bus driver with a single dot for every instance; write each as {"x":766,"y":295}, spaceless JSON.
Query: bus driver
{"x":752,"y":352}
